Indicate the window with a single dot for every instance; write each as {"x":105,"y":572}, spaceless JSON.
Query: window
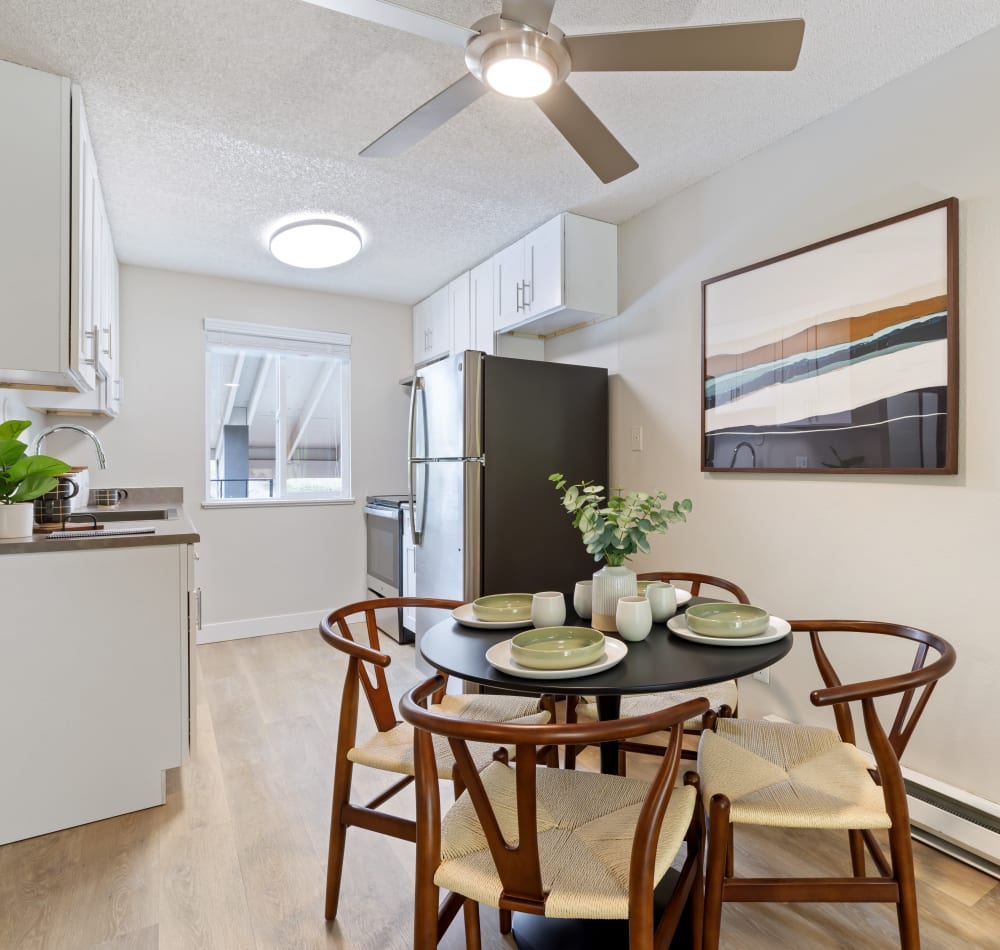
{"x":278,"y":413}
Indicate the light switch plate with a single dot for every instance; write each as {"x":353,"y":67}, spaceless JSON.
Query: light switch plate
{"x":636,"y":438}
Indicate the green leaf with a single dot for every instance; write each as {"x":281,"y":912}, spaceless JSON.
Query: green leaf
{"x":12,"y":428}
{"x":10,"y":451}
{"x":45,"y":465}
{"x":32,"y":487}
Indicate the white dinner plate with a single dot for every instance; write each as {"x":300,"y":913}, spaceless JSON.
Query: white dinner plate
{"x":776,"y":629}
{"x":498,"y":656}
{"x":466,"y":616}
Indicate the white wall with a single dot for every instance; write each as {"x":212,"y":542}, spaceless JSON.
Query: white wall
{"x":919,"y":550}
{"x":283,"y":564}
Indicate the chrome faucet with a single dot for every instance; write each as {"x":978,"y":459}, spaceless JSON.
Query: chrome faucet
{"x":101,"y":457}
{"x":753,"y":455}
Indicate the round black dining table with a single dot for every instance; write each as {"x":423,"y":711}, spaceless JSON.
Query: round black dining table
{"x":661,"y":662}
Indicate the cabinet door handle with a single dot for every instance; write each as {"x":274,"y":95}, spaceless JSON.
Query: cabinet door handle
{"x":107,"y":349}
{"x":519,"y":302}
{"x":119,"y":388}
{"x":524,"y":294}
{"x":91,"y":335}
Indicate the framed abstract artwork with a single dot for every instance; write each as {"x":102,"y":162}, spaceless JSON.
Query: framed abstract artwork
{"x":838,"y":357}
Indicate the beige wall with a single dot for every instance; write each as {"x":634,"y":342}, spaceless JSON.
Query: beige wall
{"x":275,"y":562}
{"x":918,"y":550}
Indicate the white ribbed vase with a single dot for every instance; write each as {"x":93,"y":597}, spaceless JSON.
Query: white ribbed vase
{"x":610,"y":583}
{"x":18,"y":520}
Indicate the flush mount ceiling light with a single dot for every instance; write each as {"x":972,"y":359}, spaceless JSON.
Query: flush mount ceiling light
{"x":315,"y":244}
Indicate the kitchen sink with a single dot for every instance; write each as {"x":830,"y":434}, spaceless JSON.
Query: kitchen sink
{"x":125,"y":514}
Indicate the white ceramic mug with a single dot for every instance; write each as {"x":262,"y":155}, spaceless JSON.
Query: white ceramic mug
{"x":583,"y":597}
{"x":634,"y":617}
{"x":548,"y":609}
{"x":662,"y":600}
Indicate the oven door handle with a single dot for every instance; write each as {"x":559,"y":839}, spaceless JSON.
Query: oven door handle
{"x":376,"y":511}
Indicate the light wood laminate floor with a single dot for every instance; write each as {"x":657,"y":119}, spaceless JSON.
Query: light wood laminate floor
{"x":235,"y":860}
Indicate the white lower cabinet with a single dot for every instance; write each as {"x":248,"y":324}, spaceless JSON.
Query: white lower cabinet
{"x":95,"y":684}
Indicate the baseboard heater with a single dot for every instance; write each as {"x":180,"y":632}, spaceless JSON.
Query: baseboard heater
{"x":954,"y":821}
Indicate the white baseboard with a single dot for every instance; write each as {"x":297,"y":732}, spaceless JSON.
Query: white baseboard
{"x":259,"y":626}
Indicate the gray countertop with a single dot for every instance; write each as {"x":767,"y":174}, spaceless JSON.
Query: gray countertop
{"x":176,"y":528}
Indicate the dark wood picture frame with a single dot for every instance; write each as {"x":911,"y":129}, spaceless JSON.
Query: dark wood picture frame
{"x":838,"y":357}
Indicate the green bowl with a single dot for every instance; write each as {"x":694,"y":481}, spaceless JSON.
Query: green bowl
{"x":557,"y":648}
{"x":499,"y":608}
{"x":727,"y":620}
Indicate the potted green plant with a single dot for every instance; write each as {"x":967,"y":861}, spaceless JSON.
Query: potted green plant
{"x":23,"y":478}
{"x":614,"y":527}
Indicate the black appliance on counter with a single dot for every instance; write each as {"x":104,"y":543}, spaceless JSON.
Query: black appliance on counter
{"x":384,"y":560}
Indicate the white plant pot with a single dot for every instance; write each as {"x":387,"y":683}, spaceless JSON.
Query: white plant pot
{"x":17,"y":521}
{"x":610,"y":583}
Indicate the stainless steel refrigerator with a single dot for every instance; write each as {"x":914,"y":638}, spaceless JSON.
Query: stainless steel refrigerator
{"x":485,"y":433}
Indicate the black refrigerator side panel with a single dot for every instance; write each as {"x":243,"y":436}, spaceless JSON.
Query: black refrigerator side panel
{"x":538,"y":418}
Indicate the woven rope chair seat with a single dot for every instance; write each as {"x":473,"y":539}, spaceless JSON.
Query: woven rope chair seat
{"x":392,"y":751}
{"x":789,"y":776}
{"x":585,"y":826}
{"x":639,"y":704}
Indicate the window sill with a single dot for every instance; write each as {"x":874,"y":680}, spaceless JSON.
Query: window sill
{"x":274,"y":502}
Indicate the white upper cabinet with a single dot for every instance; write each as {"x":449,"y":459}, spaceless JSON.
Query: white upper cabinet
{"x":432,"y":327}
{"x":481,"y":300}
{"x":460,"y":314}
{"x":57,"y":262}
{"x":562,"y":275}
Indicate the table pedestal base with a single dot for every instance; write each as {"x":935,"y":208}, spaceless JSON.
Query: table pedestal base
{"x":548,"y":933}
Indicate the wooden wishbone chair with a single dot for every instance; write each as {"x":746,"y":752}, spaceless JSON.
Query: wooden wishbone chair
{"x":790,"y":776}
{"x":722,"y":697}
{"x":391,"y":747}
{"x":558,"y":842}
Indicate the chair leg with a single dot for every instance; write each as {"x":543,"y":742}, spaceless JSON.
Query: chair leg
{"x":731,"y":855}
{"x":718,"y":848}
{"x":901,"y":850}
{"x":506,"y":921}
{"x":473,"y":939}
{"x":338,"y":834}
{"x":857,"y":843}
{"x":622,"y":761}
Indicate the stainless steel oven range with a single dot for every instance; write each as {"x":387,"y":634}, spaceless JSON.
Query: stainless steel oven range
{"x":384,"y":530}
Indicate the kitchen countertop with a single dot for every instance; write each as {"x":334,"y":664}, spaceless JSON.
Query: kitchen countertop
{"x":176,"y":528}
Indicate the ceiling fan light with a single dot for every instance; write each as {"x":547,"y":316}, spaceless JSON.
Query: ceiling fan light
{"x":519,"y":77}
{"x":315,"y":244}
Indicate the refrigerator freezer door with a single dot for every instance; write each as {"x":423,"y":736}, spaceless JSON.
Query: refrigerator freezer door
{"x":446,"y":409}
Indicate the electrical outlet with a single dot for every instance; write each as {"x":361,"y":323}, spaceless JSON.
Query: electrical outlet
{"x":636,"y":438}
{"x":764,"y":675}
{"x":802,"y":461}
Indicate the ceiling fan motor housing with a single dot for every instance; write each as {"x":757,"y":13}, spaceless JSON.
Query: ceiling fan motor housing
{"x":501,"y":39}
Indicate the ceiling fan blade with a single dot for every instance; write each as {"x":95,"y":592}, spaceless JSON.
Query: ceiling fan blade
{"x":533,"y":13}
{"x":421,"y":122}
{"x":770,"y":44}
{"x":586,"y":133}
{"x":401,"y":18}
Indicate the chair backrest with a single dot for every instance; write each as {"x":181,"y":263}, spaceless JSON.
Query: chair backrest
{"x":336,"y":630}
{"x":914,"y":687}
{"x":518,"y":864}
{"x":696,"y":581}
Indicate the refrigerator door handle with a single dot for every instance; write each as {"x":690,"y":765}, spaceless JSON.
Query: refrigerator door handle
{"x":417,"y":527}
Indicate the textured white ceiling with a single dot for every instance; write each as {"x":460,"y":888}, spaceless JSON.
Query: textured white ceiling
{"x":213,"y":120}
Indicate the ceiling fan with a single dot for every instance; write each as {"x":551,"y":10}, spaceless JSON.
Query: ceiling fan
{"x":521,"y":53}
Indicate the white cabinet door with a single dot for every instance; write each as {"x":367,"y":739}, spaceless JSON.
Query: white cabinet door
{"x":543,"y":281}
{"x":461,"y":314}
{"x":508,"y":286}
{"x":481,"y":303}
{"x":94,"y":710}
{"x":432,"y":327}
{"x":34,"y":239}
{"x":85,"y":277}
